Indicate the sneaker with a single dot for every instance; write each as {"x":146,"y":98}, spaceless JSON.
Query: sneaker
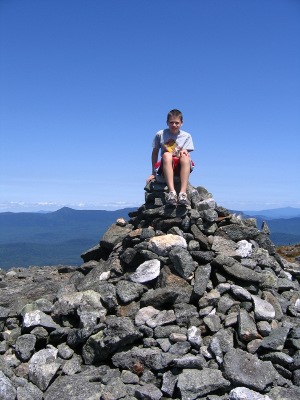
{"x":183,"y":199}
{"x":171,"y":198}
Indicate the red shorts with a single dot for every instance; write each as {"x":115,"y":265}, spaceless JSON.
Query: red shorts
{"x":176,"y":166}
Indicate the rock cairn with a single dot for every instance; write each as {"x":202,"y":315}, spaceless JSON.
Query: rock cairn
{"x":177,"y":302}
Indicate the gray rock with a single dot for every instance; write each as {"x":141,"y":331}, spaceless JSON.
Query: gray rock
{"x":194,"y":336}
{"x":213,"y":323}
{"x":246,"y":327}
{"x":162,"y":245}
{"x":72,"y":366}
{"x":119,"y":332}
{"x":29,"y":392}
{"x":263,"y":310}
{"x":185,"y":313}
{"x":190,"y":361}
{"x":114,"y":235}
{"x":159,"y":298}
{"x":225,"y":303}
{"x":146,"y":272}
{"x":129,"y":291}
{"x":129,"y":377}
{"x":138,"y":359}
{"x":278,"y":357}
{"x":162,"y":318}
{"x":148,"y":391}
{"x":194,"y":383}
{"x":280,"y":393}
{"x":203,"y":257}
{"x":209,"y":215}
{"x":238,"y":232}
{"x":166,"y":331}
{"x":244,"y":369}
{"x":242,"y":393}
{"x":7,"y":390}
{"x":170,"y":280}
{"x":43,"y":366}
{"x":76,"y":387}
{"x":144,"y":314}
{"x":115,"y":389}
{"x":224,"y":246}
{"x":25,"y":346}
{"x":276,"y":340}
{"x":202,"y":276}
{"x":183,"y":262}
{"x":169,"y":383}
{"x":236,"y":270}
{"x":64,"y":351}
{"x":36,"y":318}
{"x":200,"y":237}
{"x":206,"y":204}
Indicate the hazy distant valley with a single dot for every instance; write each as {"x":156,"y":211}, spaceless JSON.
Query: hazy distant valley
{"x":60,"y":237}
{"x":52,"y":238}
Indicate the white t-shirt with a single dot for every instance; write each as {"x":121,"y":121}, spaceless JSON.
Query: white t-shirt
{"x":167,"y":141}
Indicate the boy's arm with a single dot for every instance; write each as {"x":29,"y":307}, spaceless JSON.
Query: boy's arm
{"x":154,"y":158}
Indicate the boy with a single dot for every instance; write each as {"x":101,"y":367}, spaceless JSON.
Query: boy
{"x":175,"y":146}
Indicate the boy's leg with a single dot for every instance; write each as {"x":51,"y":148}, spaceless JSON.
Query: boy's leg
{"x":185,"y":170}
{"x":168,"y":171}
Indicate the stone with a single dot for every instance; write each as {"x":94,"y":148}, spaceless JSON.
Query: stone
{"x":276,"y":339}
{"x":246,"y":327}
{"x":29,"y":392}
{"x":183,"y":262}
{"x":162,"y":245}
{"x":129,"y":291}
{"x":244,"y":369}
{"x":25,"y":346}
{"x":120,"y":331}
{"x":43,"y":366}
{"x":146,"y":272}
{"x":114,"y":235}
{"x":36,"y":318}
{"x":263,"y":310}
{"x":243,"y":393}
{"x":7,"y":390}
{"x":148,"y":391}
{"x":194,"y":383}
{"x":77,"y":386}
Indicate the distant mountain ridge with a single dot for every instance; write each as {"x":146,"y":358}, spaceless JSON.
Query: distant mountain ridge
{"x":283,"y":212}
{"x":53,"y":238}
{"x":63,"y":224}
{"x":59,"y":237}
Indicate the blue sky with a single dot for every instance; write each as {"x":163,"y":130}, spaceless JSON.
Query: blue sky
{"x":85,"y":84}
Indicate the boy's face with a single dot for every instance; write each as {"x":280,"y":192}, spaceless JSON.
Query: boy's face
{"x":174,"y":124}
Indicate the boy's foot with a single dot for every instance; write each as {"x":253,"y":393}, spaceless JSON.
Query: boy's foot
{"x":171,"y":198}
{"x":183,"y":199}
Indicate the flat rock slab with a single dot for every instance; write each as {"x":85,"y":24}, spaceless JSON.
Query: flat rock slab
{"x":244,"y":369}
{"x":194,"y":383}
{"x":76,"y":387}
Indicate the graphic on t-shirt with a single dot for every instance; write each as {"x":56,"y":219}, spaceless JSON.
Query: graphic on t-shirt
{"x":171,"y":147}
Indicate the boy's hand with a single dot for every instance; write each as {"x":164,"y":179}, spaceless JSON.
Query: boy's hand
{"x":183,"y":153}
{"x":151,"y":177}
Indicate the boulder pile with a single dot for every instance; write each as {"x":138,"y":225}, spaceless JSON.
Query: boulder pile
{"x":177,"y":302}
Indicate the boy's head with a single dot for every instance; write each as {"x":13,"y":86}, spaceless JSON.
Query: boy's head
{"x":174,"y":120}
{"x":174,"y":113}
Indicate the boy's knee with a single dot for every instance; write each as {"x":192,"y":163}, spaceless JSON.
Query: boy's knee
{"x":185,"y":160}
{"x":167,"y":156}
